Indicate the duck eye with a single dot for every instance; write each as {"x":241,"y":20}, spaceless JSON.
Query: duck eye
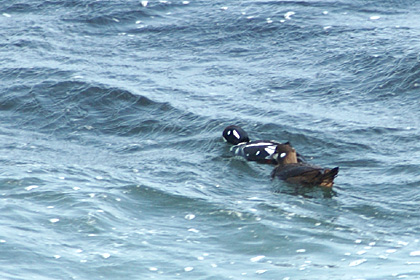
{"x":282,"y":155}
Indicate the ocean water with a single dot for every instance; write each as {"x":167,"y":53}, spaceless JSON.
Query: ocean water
{"x":112,"y":160}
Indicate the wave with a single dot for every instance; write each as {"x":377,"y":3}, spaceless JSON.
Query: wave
{"x":72,"y":106}
{"x":100,"y":14}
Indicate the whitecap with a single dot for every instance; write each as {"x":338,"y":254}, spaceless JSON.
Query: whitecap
{"x":188,"y":268}
{"x":403,"y":243}
{"x":189,"y":216}
{"x":288,"y":15}
{"x":257,"y":258}
{"x":357,"y":262}
{"x":105,"y":255}
{"x":31,"y":187}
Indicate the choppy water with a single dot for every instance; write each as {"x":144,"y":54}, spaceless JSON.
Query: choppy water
{"x":112,"y":161}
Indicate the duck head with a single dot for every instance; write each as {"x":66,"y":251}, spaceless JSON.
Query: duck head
{"x":285,"y":154}
{"x":234,"y":134}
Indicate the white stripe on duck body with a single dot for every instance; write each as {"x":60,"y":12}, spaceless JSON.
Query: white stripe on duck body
{"x":261,"y":151}
{"x":292,"y":171}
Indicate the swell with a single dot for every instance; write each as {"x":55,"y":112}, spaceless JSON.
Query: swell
{"x":101,"y":14}
{"x":73,"y":106}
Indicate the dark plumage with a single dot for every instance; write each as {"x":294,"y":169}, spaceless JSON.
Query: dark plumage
{"x":292,"y":171}
{"x":261,"y":151}
{"x":234,"y":134}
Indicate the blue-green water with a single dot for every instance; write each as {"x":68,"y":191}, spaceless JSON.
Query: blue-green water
{"x":112,"y":160}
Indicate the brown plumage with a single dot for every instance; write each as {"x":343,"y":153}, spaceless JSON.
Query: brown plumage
{"x":292,"y":171}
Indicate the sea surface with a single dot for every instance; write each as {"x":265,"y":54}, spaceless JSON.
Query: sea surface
{"x":112,"y":162}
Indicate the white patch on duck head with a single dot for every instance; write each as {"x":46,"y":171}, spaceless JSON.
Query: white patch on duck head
{"x":236,"y":134}
{"x":282,"y":155}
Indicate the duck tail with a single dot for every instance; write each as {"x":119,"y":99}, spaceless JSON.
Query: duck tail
{"x":328,"y":177}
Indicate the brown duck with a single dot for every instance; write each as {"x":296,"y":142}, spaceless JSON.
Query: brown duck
{"x":292,"y":171}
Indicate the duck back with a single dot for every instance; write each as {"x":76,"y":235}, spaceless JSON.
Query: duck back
{"x":306,"y":175}
{"x":260,"y":151}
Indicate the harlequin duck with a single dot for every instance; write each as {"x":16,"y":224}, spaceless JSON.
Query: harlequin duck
{"x":261,"y":151}
{"x":292,"y":171}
